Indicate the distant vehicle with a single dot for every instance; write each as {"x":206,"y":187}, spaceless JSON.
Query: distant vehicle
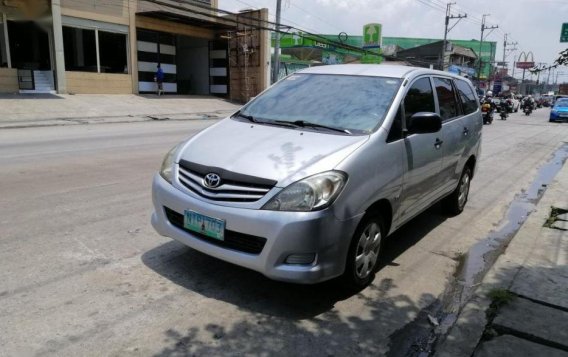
{"x":304,"y":183}
{"x":514,"y":103}
{"x":558,"y":96}
{"x":559,"y":111}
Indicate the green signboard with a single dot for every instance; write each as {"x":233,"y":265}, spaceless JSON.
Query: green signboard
{"x":372,"y":35}
{"x":564,"y":32}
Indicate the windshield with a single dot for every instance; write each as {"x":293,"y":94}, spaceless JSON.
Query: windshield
{"x":357,"y":104}
{"x":561,"y":103}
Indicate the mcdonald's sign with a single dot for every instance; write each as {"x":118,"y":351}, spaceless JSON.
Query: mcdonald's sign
{"x":523,"y":62}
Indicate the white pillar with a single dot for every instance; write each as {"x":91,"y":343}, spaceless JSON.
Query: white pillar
{"x":7,"y":40}
{"x":97,"y":50}
{"x":58,"y":46}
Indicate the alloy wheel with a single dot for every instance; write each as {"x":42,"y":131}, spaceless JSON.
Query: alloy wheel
{"x":367,"y":251}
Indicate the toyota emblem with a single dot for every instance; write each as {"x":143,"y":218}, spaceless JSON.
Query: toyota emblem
{"x":212,"y":180}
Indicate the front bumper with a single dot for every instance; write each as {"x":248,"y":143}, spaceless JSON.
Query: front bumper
{"x":286,"y":233}
{"x":559,"y":117}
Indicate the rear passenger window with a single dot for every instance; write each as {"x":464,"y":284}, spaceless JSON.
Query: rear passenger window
{"x":467,"y":96}
{"x":420,"y":98}
{"x":446,"y":98}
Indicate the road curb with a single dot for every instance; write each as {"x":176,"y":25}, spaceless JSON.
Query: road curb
{"x":464,"y":337}
{"x":217,"y":115}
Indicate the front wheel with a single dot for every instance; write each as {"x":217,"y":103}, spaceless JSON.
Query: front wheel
{"x":364,"y":252}
{"x":455,"y":203}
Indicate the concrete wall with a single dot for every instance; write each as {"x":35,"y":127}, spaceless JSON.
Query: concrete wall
{"x":173,"y":27}
{"x":98,"y":83}
{"x":8,"y":80}
{"x":115,"y":11}
{"x":248,"y":81}
{"x":193,"y":64}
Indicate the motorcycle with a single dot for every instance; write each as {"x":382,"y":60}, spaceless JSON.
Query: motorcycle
{"x":527,"y":110}
{"x":487,"y":113}
{"x":503,"y":113}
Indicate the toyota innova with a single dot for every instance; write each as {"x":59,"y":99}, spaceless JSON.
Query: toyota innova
{"x":305,"y":181}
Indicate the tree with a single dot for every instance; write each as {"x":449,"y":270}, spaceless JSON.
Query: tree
{"x":562,"y":60}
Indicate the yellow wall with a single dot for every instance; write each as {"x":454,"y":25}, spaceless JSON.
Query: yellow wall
{"x":8,"y":80}
{"x":98,"y":83}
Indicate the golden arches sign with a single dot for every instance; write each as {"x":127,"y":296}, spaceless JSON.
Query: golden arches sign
{"x":525,"y":63}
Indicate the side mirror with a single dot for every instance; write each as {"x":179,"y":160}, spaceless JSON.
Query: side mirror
{"x":424,"y":123}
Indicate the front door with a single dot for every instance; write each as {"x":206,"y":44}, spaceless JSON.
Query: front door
{"x":422,"y":180}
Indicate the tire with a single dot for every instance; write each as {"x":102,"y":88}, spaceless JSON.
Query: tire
{"x":456,"y":201}
{"x":364,"y":252}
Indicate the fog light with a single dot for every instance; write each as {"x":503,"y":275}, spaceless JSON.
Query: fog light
{"x":303,"y":259}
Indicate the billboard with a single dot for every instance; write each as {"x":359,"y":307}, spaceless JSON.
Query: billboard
{"x":525,"y":65}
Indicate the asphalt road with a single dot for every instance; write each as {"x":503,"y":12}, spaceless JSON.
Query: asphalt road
{"x":83,"y":273}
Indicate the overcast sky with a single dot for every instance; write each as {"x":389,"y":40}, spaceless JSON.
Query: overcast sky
{"x":534,"y":24}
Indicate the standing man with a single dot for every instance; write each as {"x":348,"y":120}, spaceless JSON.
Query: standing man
{"x":159,"y":79}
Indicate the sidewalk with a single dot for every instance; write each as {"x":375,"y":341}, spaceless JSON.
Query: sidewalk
{"x":19,"y":110}
{"x":521,"y":307}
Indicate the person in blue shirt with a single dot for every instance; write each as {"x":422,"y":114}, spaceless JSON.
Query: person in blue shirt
{"x":159,"y":78}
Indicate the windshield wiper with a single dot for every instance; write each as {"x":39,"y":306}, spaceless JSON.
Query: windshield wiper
{"x":307,"y":124}
{"x":248,"y":117}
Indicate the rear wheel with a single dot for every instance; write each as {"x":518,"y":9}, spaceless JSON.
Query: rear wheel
{"x":364,"y":252}
{"x":455,"y":203}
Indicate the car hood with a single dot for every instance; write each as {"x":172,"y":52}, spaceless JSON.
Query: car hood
{"x":277,"y":153}
{"x":560,"y":109}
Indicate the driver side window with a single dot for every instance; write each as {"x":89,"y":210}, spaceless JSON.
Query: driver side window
{"x":420,"y":98}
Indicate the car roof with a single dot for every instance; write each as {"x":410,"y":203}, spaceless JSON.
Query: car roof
{"x":376,"y":70}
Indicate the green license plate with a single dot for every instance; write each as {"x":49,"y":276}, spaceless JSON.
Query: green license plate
{"x":211,"y":227}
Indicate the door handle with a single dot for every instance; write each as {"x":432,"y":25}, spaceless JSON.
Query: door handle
{"x":465,"y":131}
{"x":438,"y":143}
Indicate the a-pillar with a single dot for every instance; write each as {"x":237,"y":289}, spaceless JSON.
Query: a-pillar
{"x":58,"y":47}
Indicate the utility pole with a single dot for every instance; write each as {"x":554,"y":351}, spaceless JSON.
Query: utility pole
{"x":276,"y":64}
{"x":505,"y":49}
{"x":449,"y":16}
{"x":483,"y":28}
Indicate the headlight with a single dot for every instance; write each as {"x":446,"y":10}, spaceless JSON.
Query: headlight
{"x":167,"y":169}
{"x":310,"y":194}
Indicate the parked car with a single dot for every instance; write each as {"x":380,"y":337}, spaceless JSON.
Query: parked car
{"x":559,"y":111}
{"x":305,"y":182}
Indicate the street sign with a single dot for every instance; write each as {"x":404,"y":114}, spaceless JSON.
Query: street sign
{"x":525,"y":65}
{"x":501,"y":64}
{"x":372,"y":35}
{"x":564,"y":32}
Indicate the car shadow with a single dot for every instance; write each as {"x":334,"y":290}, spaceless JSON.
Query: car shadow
{"x":254,"y":292}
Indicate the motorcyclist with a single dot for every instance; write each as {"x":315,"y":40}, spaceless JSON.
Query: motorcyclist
{"x":530,"y":103}
{"x":491,"y":106}
{"x":489,"y":100}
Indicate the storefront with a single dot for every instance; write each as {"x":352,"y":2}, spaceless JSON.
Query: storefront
{"x":89,"y":46}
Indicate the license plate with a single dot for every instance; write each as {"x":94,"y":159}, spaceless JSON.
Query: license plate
{"x":211,"y":227}
{"x":564,"y":115}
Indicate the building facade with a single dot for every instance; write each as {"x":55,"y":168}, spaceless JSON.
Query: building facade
{"x":115,"y":47}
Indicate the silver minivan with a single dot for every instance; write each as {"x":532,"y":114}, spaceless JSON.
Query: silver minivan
{"x":305,"y":181}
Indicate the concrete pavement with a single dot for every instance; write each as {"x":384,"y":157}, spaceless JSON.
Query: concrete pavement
{"x":521,"y":307}
{"x":25,"y":110}
{"x":83,"y":273}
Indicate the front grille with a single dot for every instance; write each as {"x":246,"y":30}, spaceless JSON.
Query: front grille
{"x":234,"y":187}
{"x":233,"y":240}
